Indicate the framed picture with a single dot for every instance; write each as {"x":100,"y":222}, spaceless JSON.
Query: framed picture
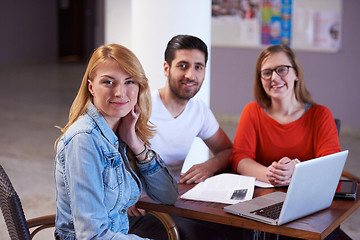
{"x":302,"y":24}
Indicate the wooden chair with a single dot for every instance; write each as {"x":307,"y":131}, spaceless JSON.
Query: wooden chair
{"x":345,"y":173}
{"x":16,"y":223}
{"x":169,"y":224}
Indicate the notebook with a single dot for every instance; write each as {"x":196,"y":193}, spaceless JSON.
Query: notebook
{"x":311,"y":189}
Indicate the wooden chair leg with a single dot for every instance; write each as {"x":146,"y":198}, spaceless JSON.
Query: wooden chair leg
{"x":169,"y":224}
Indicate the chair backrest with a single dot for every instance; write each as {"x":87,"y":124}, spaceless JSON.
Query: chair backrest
{"x":338,"y":124}
{"x":12,"y":210}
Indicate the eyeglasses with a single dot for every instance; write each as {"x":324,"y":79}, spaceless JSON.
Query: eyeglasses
{"x":281,"y":70}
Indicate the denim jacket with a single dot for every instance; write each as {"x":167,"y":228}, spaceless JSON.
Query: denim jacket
{"x":95,"y":184}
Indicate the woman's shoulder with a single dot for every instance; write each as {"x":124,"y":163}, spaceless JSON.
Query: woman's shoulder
{"x":252,"y":107}
{"x":318,"y":112}
{"x":79,"y":130}
{"x":253,"y":112}
{"x":319,"y":109}
{"x":83,"y":125}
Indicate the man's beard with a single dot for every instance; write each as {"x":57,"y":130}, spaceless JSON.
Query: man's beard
{"x":183,"y":95}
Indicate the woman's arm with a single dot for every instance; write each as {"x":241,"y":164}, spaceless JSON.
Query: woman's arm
{"x":250,"y":167}
{"x":326,"y":139}
{"x":127,"y":133}
{"x":278,"y":173}
{"x":158,"y":182}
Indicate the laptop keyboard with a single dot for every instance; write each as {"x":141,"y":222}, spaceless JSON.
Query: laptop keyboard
{"x":272,"y":211}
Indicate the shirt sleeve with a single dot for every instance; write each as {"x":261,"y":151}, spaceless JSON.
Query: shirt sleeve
{"x":159,"y":184}
{"x":210,"y":124}
{"x":245,"y":137}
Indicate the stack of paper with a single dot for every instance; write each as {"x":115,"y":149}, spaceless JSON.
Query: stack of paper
{"x":223,"y":188}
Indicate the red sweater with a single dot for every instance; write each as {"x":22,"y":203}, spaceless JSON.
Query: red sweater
{"x":261,"y":138}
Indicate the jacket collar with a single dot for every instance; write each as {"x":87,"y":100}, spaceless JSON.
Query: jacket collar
{"x":99,"y":120}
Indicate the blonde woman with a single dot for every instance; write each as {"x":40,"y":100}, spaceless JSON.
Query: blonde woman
{"x":107,"y":133}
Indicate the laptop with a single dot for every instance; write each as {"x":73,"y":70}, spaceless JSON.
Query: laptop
{"x":311,"y":189}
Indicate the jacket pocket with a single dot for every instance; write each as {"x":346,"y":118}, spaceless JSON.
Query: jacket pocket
{"x":113,"y":180}
{"x":113,"y":175}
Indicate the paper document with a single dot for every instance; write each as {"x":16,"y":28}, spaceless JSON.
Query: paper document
{"x":263,"y":184}
{"x":223,"y":188}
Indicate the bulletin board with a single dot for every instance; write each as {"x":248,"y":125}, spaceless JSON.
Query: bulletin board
{"x":312,"y":25}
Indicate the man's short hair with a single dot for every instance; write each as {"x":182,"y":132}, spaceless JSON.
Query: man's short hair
{"x":187,"y":42}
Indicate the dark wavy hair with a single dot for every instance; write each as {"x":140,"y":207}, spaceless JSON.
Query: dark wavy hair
{"x":188,"y":42}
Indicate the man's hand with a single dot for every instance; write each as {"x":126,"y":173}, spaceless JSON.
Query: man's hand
{"x":221,"y":147}
{"x":197,"y":173}
{"x":133,"y":211}
{"x":279,"y":173}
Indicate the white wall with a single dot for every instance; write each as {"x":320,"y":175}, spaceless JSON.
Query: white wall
{"x":146,"y":26}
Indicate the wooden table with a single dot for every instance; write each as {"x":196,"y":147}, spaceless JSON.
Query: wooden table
{"x":315,"y":226}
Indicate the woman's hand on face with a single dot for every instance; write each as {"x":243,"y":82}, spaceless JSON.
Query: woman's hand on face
{"x":279,"y":173}
{"x":126,"y":127}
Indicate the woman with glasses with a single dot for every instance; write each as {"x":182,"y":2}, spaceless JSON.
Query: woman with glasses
{"x":284,"y":125}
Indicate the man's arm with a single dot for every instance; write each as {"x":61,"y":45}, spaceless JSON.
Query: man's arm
{"x":221,"y":147}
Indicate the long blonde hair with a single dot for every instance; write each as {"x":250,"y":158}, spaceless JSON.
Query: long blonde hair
{"x":301,"y":92}
{"x":132,"y":66}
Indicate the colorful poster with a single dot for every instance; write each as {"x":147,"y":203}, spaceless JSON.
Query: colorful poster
{"x":286,"y":12}
{"x":302,"y":24}
{"x":276,"y":22}
{"x":236,"y":22}
{"x":265,"y":24}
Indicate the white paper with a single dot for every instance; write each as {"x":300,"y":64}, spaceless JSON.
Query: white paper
{"x":303,"y":29}
{"x":263,"y":184}
{"x":223,"y":188}
{"x":327,"y":29}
